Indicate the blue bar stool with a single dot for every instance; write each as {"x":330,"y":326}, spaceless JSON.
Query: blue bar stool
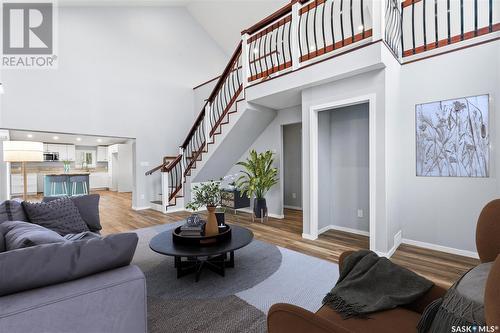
{"x":54,"y":180}
{"x":75,"y":180}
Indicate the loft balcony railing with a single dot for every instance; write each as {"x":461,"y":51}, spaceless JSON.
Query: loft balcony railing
{"x":303,"y":33}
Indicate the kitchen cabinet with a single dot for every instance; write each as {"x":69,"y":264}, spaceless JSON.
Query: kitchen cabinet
{"x":65,"y":152}
{"x":102,"y":154}
{"x":99,"y":180}
{"x":17,"y":183}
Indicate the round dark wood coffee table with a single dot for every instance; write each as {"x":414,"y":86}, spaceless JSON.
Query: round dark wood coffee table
{"x":193,"y":259}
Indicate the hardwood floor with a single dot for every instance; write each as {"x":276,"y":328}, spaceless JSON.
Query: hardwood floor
{"x":442,"y":268}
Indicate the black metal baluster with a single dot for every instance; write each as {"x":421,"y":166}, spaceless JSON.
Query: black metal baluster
{"x":323,"y":27}
{"x":475,"y":18}
{"x":436,"y":23}
{"x":402,"y":30}
{"x":283,"y":45}
{"x":234,"y":71}
{"x":424,"y":25}
{"x":461,"y":19}
{"x":290,"y":39}
{"x":252,"y":61}
{"x":491,"y":17}
{"x":314,"y":27}
{"x":352,"y":21}
{"x":413,"y":25}
{"x":331,"y":25}
{"x":342,"y":20}
{"x":363,"y":17}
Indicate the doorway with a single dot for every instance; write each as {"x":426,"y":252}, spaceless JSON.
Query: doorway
{"x":342,"y":183}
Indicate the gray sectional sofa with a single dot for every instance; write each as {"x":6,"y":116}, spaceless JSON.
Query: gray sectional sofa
{"x":79,"y":284}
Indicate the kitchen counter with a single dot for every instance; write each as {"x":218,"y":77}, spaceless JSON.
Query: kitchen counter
{"x":58,"y":187}
{"x":71,"y":173}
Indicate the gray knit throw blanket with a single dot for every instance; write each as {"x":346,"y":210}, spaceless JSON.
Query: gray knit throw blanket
{"x":369,"y":283}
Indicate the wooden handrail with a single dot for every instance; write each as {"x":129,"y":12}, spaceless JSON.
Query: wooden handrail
{"x":270,"y":19}
{"x":172,"y":164}
{"x":166,"y":161}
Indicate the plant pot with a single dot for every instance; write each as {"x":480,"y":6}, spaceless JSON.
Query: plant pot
{"x":211,"y":227}
{"x":220,"y":218}
{"x":259,"y":207}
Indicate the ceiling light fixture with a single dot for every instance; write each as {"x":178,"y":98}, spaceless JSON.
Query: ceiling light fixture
{"x":55,"y":137}
{"x":78,"y":139}
{"x":99,"y":140}
{"x":29,"y":135}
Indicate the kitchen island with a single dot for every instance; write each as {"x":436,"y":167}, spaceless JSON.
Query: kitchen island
{"x":70,"y":184}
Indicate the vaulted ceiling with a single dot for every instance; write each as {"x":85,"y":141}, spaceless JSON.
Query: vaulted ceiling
{"x":222,"y":19}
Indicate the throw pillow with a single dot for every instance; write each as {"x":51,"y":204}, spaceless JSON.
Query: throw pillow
{"x":12,"y":210}
{"x":61,"y":216}
{"x":61,"y":262}
{"x":18,"y":234}
{"x":88,"y":206}
{"x":463,"y":304}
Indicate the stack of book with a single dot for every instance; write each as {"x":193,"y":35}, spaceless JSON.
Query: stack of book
{"x":193,"y":228}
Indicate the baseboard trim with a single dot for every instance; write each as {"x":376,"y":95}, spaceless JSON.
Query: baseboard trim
{"x":141,"y":207}
{"x":441,"y":248}
{"x":292,"y":207}
{"x":309,"y":237}
{"x":344,"y":229}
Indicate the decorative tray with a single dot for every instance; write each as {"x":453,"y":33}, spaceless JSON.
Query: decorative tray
{"x":223,"y":235}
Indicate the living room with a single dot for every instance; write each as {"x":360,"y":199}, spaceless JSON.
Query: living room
{"x":281,"y":158}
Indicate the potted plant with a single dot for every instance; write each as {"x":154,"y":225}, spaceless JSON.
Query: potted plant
{"x":258,"y":178}
{"x":207,"y":194}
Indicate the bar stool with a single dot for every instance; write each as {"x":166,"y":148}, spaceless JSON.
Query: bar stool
{"x":54,"y":180}
{"x":75,"y":180}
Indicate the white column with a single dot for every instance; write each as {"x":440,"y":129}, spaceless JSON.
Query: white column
{"x":164,"y":190}
{"x":294,"y":30}
{"x":245,"y":60}
{"x":378,"y":19}
{"x":206,"y":122}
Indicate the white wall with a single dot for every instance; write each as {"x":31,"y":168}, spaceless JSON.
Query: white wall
{"x":344,"y":167}
{"x":435,"y":210}
{"x":270,"y":139}
{"x":123,"y":71}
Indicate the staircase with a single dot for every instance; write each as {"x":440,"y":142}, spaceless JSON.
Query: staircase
{"x":301,"y":34}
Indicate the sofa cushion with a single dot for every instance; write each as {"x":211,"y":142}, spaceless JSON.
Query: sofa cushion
{"x":61,"y":262}
{"x":390,"y":321}
{"x":12,"y":210}
{"x":61,"y":216}
{"x":18,"y":234}
{"x":88,"y":206}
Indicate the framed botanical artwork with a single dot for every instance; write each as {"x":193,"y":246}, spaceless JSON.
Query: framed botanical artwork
{"x":452,"y":137}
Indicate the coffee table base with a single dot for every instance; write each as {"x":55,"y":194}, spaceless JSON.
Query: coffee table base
{"x":190,"y":265}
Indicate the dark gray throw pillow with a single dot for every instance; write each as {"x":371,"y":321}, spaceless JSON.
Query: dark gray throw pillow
{"x":18,"y":235}
{"x":12,"y":210}
{"x":88,"y":206}
{"x":61,"y":216}
{"x":43,"y":265}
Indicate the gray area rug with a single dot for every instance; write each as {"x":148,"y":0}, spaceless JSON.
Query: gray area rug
{"x":264,"y":274}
